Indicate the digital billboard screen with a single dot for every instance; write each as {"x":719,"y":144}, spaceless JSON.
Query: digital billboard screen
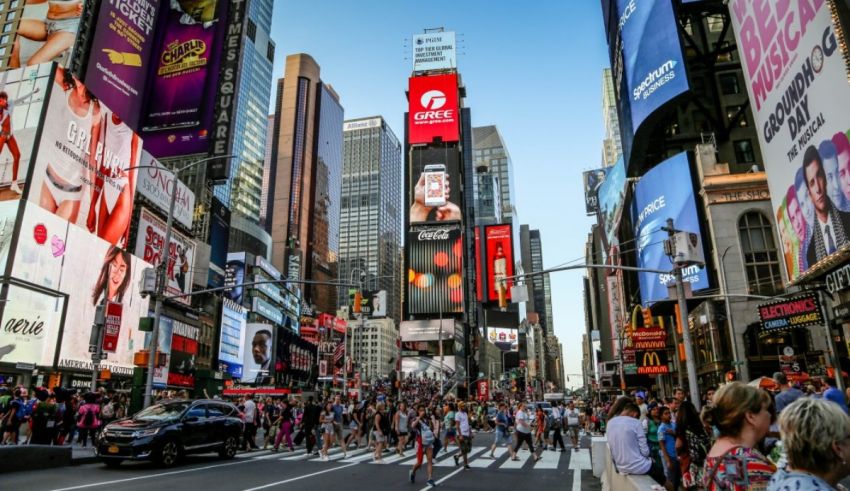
{"x":120,"y":55}
{"x":295,"y":356}
{"x":232,"y":338}
{"x":434,"y":51}
{"x":88,"y":270}
{"x":655,"y":200}
{"x":85,"y":165}
{"x":592,"y":180}
{"x":257,"y":354}
{"x":653,"y":65}
{"x":219,"y":238}
{"x":500,"y":261}
{"x":149,"y":245}
{"x":801,"y":105}
{"x":611,"y":195}
{"x":506,"y":339}
{"x":435,"y":184}
{"x":434,"y":109}
{"x":435,"y":269}
{"x":155,"y":184}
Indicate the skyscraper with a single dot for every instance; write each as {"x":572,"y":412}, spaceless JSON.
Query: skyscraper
{"x":371,"y":217}
{"x":540,"y":297}
{"x":612,"y":144}
{"x":490,"y":153}
{"x":306,"y":173}
{"x":242,"y":193}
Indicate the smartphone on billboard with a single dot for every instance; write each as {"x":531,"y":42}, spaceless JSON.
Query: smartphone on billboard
{"x":435,"y":185}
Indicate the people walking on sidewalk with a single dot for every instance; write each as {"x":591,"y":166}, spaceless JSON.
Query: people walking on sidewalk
{"x":400,"y":426}
{"x":427,"y":427}
{"x":285,"y":424}
{"x":381,"y":431}
{"x":252,"y":417}
{"x":523,"y":432}
{"x":88,"y":419}
{"x":327,"y":429}
{"x":464,"y":434}
{"x":503,"y":436}
{"x":556,"y":422}
{"x":572,"y":417}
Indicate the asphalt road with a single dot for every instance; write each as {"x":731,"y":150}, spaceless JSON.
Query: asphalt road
{"x":263,"y":470}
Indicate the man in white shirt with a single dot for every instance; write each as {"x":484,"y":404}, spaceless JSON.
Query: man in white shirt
{"x":250,"y":413}
{"x":628,"y":445}
{"x":573,"y":419}
{"x":464,"y":434}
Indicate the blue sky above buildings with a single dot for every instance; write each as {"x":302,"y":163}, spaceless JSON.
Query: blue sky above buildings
{"x":534,"y":69}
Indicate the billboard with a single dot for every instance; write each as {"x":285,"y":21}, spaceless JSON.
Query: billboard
{"x":427,"y":330}
{"x":163,"y":342}
{"x":652,"y":61}
{"x":232,"y":341}
{"x":435,"y":184}
{"x":435,"y":269}
{"x":786,"y":314}
{"x":183,"y":78}
{"x":184,"y":350}
{"x":257,"y":354}
{"x":83,"y":169}
{"x":20,"y":119}
{"x":59,"y":257}
{"x":234,"y":276}
{"x":434,"y":51}
{"x":504,"y":338}
{"x":434,"y":109}
{"x":500,"y":261}
{"x":592,"y":180}
{"x":181,"y":252}
{"x":219,"y":238}
{"x":295,"y":356}
{"x":796,"y":78}
{"x":47,"y":32}
{"x":31,"y":323}
{"x":655,"y":200}
{"x":120,"y":54}
{"x":428,"y":365}
{"x":155,"y":182}
{"x":611,"y":195}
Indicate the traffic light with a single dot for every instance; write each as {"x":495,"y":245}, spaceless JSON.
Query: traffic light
{"x":358,"y":302}
{"x":647,"y":317}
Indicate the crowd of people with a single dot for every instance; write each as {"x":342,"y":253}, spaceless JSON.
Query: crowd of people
{"x":744,"y":438}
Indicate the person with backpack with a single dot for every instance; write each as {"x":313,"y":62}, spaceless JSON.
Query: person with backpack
{"x":43,"y":419}
{"x":88,"y":419}
{"x":503,"y":435}
{"x":427,"y":427}
{"x":555,"y":423}
{"x":107,"y":411}
{"x":14,"y":415}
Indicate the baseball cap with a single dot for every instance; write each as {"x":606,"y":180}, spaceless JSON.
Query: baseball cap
{"x":641,"y":394}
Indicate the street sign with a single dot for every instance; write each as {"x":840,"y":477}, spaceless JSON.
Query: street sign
{"x":842,"y":311}
{"x":112,"y":326}
{"x":92,"y":348}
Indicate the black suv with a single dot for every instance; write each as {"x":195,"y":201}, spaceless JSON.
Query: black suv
{"x":165,"y":432}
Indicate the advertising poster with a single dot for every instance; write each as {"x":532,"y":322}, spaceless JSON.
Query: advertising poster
{"x":58,"y":256}
{"x":427,"y":330}
{"x":155,"y":184}
{"x":434,"y":51}
{"x":504,"y":338}
{"x":83,"y":169}
{"x":232,"y":340}
{"x":435,"y":275}
{"x":611,"y":195}
{"x":112,"y":326}
{"x":653,"y":65}
{"x":592,"y":180}
{"x":8,"y":215}
{"x":428,"y":365}
{"x":801,"y":105}
{"x":435,"y":186}
{"x":783,"y":315}
{"x":183,"y":77}
{"x":20,"y":118}
{"x":184,"y":350}
{"x":120,"y":55}
{"x":500,"y":261}
{"x":234,"y":276}
{"x":31,"y":323}
{"x":654,"y":202}
{"x":257,"y":355}
{"x":434,"y":109}
{"x":60,"y":19}
{"x":295,"y":356}
{"x":163,"y":341}
{"x":149,"y":245}
{"x":219,"y":238}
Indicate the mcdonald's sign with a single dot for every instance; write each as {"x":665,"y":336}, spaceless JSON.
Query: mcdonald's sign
{"x":652,"y":362}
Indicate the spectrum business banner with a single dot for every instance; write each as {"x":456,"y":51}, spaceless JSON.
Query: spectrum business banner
{"x":652,"y":56}
{"x":796,"y":78}
{"x":655,"y":200}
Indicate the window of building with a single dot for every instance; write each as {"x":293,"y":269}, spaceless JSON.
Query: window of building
{"x":729,"y":83}
{"x":252,"y":31}
{"x":715,"y":23}
{"x":7,"y":27}
{"x":744,"y":152}
{"x":270,"y":52}
{"x":731,"y":111}
{"x":761,"y":261}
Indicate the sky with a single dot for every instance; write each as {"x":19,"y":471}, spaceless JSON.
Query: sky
{"x":533,"y":68}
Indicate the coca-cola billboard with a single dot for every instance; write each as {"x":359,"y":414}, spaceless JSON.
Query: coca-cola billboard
{"x":434,"y":184}
{"x":435,"y":269}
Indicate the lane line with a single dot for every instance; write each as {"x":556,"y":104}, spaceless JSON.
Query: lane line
{"x":441,"y":481}
{"x":299,"y":478}
{"x":150,"y":476}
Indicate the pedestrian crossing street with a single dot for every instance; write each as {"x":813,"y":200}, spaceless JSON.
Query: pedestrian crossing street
{"x":479,"y":458}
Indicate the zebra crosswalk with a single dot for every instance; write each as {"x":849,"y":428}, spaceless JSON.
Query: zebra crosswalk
{"x":479,"y":458}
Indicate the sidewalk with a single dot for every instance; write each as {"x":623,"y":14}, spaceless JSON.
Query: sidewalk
{"x":81,"y":456}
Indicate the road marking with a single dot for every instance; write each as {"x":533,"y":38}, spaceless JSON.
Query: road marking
{"x":353,"y":453}
{"x":441,"y":481}
{"x":523,"y":456}
{"x":150,"y":476}
{"x":264,"y":486}
{"x":578,"y":461}
{"x":396,"y":457}
{"x":252,"y":455}
{"x":297,"y":455}
{"x":451,"y":462}
{"x":484,"y":462}
{"x":548,"y":460}
{"x":360,"y":458}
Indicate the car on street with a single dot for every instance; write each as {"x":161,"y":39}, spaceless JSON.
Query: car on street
{"x":167,"y":431}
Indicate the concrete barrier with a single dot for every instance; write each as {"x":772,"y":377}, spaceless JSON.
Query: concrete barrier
{"x":598,"y":452}
{"x":33,"y":457}
{"x":613,"y":480}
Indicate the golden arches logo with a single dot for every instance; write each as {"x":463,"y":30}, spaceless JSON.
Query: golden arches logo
{"x":651,"y":359}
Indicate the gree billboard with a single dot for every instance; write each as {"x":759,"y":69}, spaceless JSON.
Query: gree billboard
{"x":434,"y":109}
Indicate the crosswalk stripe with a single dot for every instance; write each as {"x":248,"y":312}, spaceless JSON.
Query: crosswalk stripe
{"x":396,"y":457}
{"x":252,"y":455}
{"x":450,"y":462}
{"x":485,"y":461}
{"x":354,"y":453}
{"x":523,"y":456}
{"x":548,"y":460}
{"x":359,"y":458}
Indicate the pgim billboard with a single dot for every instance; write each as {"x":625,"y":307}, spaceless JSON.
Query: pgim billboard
{"x":796,"y":76}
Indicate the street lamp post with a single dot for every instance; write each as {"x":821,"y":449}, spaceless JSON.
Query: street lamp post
{"x":161,"y":275}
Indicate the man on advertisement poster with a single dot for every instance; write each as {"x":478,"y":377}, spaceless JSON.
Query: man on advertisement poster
{"x":46,"y":32}
{"x":830,"y":231}
{"x":257,"y":357}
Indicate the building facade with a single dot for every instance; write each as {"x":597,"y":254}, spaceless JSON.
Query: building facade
{"x":371,"y":211}
{"x":374,"y":347}
{"x":490,"y":156}
{"x":540,"y":289}
{"x":612,"y":144}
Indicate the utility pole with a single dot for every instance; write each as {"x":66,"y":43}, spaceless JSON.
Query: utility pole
{"x":96,"y":341}
{"x":683,"y":319}
{"x":833,"y":354}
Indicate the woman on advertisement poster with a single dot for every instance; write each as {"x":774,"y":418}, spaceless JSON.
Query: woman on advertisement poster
{"x":51,"y":33}
{"x":7,"y":139}
{"x":70,"y":140}
{"x":114,"y":277}
{"x":114,"y":181}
